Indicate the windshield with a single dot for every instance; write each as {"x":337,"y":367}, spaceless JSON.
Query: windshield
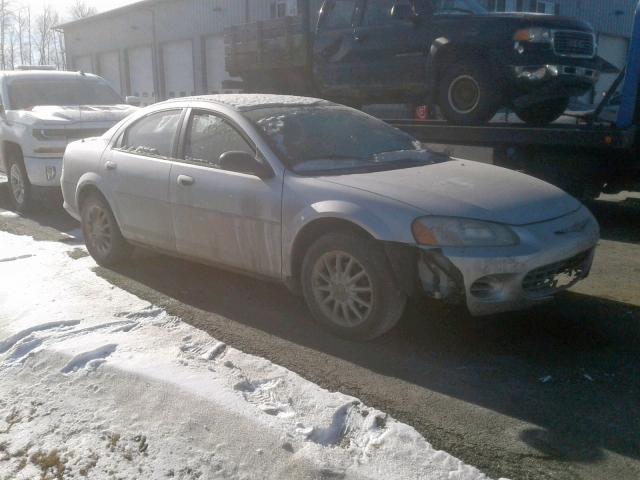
{"x":457,"y":6}
{"x":25,"y":94}
{"x":326,"y":138}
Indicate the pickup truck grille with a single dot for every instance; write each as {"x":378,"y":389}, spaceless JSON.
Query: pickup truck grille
{"x":557,"y":276}
{"x":571,"y":43}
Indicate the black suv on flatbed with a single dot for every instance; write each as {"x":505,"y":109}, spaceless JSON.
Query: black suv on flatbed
{"x":447,"y":52}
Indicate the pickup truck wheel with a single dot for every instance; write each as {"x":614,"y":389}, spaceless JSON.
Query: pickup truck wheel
{"x":19,"y":186}
{"x":543,"y":113}
{"x":466,"y":94}
{"x":101,"y":233}
{"x":350,"y":288}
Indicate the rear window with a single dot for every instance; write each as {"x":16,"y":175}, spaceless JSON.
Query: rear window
{"x":28,"y":93}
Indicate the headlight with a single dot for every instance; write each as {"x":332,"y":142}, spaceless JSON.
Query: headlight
{"x":49,"y":134}
{"x":462,"y":232}
{"x":533,"y":35}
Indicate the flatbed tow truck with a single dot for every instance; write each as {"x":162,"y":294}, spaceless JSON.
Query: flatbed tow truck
{"x":586,"y":157}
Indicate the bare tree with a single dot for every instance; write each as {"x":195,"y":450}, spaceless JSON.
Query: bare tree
{"x":81,"y":10}
{"x":6,"y":16}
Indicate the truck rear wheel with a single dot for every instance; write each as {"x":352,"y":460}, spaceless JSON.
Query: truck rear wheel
{"x":20,"y":192}
{"x":543,"y":113}
{"x":467,"y":95}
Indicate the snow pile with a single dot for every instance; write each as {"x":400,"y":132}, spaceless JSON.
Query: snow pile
{"x":97,"y":383}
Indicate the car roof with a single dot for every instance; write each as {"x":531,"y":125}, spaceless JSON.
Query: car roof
{"x":44,"y":74}
{"x":243,"y":102}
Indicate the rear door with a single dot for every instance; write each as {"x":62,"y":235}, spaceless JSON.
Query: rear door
{"x":137,"y":170}
{"x":221,"y":216}
{"x":334,"y":63}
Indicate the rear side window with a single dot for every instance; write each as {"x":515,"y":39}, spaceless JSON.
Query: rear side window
{"x":209,"y":136}
{"x":153,"y":135}
{"x":378,"y":12}
{"x":338,"y":14}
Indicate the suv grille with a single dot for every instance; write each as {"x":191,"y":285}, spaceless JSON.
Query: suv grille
{"x":557,"y":276}
{"x":569,"y":43}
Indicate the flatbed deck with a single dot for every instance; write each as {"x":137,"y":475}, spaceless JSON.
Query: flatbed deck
{"x":510,"y":134}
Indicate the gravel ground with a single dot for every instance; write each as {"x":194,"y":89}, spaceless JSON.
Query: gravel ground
{"x":550,"y":393}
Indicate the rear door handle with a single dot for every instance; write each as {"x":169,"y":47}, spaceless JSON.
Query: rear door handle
{"x":185,"y":180}
{"x":111,"y":165}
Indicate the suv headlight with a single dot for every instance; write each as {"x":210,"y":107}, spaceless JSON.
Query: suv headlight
{"x":533,"y":35}
{"x":49,"y":134}
{"x":462,"y":232}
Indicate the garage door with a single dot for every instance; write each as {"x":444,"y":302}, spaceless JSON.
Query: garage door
{"x":141,"y":73}
{"x":84,"y":64}
{"x":178,"y":69}
{"x":613,"y":50}
{"x":216,"y":71}
{"x":109,"y":69}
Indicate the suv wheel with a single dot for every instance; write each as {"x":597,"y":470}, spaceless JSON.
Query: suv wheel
{"x":101,"y":233}
{"x":350,"y":288}
{"x":543,"y":113}
{"x":19,"y":186}
{"x":466,"y":94}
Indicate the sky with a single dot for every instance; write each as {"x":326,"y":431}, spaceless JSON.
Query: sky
{"x":63,"y":5}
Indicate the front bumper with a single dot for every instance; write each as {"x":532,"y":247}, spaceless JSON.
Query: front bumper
{"x":44,"y":171}
{"x":534,"y":74}
{"x":551,"y":257}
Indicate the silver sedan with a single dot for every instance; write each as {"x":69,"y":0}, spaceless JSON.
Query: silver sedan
{"x":339,"y":206}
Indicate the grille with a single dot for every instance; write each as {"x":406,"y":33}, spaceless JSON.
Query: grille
{"x":574,"y":44}
{"x":557,"y":276}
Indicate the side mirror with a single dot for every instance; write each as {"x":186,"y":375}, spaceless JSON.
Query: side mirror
{"x":133,"y":101}
{"x":243,"y":162}
{"x":403,"y":11}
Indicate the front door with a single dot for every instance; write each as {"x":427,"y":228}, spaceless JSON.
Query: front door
{"x":225,"y":217}
{"x":137,"y":171}
{"x":336,"y":69}
{"x":392,"y":49}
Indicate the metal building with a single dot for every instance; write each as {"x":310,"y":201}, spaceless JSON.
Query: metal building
{"x":158,"y":49}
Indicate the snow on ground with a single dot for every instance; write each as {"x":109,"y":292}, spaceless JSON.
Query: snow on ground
{"x":96,"y":383}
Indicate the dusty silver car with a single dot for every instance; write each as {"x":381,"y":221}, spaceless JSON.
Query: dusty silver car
{"x":338,"y":205}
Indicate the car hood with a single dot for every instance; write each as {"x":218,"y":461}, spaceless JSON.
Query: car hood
{"x":108,"y":114}
{"x":461,"y":188}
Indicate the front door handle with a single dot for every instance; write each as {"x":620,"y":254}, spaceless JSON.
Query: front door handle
{"x":111,"y":166}
{"x":185,"y":180}
{"x":358,"y":38}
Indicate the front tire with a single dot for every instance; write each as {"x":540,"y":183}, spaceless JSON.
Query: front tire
{"x":101,"y":232}
{"x":467,"y":95}
{"x":543,"y":113}
{"x":20,"y":191}
{"x":350,"y":288}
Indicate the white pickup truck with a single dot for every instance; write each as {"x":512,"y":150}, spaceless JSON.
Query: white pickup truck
{"x":40,"y":113}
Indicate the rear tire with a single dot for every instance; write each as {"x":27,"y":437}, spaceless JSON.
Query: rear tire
{"x":350,"y":287}
{"x":20,"y":191}
{"x":101,"y":232}
{"x":543,"y":113}
{"x":467,"y":94}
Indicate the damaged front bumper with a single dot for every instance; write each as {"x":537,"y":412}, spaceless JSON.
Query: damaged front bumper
{"x":551,"y":257}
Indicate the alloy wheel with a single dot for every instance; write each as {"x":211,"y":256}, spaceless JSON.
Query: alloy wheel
{"x":17,"y":184}
{"x":343,"y":289}
{"x":99,"y":230}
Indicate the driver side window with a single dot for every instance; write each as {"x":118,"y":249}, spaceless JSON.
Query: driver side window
{"x":338,"y":14}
